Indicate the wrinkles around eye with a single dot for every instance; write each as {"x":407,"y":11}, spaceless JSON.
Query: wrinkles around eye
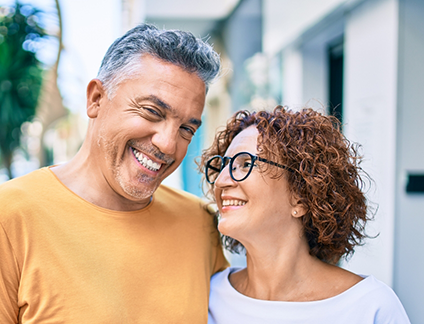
{"x":146,"y":111}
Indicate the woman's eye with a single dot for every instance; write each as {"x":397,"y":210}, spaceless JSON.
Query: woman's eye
{"x":246,"y":164}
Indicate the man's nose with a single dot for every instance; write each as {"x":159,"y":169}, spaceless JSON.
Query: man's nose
{"x":165,"y":139}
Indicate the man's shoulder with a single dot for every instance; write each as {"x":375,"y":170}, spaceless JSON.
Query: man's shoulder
{"x":167,"y":191}
{"x":177,"y":198}
{"x":25,"y":183}
{"x":23,"y":191}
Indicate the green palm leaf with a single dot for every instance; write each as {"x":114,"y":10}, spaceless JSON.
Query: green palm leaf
{"x":20,"y":75}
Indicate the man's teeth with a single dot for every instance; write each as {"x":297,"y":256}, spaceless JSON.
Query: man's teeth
{"x":145,"y":161}
{"x":233,"y":202}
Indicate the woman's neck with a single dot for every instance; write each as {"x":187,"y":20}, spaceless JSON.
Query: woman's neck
{"x":273,"y":273}
{"x":290,"y":274}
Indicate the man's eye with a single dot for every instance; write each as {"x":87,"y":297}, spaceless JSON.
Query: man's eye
{"x":152,"y":111}
{"x":188,"y":130}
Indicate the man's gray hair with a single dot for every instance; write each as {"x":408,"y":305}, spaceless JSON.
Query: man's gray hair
{"x":123,"y":58}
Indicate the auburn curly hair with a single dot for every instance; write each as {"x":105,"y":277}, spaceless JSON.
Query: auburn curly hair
{"x":327,"y":179}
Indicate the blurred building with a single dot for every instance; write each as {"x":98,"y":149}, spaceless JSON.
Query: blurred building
{"x":356,"y":59}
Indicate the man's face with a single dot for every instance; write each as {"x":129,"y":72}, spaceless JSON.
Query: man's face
{"x":141,"y":135}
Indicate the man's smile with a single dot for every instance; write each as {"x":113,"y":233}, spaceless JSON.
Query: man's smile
{"x":146,"y":161}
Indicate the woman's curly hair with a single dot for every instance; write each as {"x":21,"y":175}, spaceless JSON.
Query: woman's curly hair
{"x":327,"y":179}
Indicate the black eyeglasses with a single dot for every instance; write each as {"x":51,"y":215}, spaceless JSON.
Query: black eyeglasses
{"x":241,"y":166}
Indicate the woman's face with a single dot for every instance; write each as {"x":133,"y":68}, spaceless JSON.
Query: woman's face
{"x":258,"y":208}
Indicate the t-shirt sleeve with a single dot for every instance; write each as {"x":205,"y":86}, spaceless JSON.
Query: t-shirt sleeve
{"x":9,"y":281}
{"x":220,"y":262}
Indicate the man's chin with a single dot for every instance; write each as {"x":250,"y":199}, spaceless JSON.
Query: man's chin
{"x":140,"y":191}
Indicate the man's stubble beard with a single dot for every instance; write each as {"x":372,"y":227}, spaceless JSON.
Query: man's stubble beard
{"x":145,"y":188}
{"x":146,"y":184}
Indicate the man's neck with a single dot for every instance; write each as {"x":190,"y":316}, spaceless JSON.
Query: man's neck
{"x":75,"y":177}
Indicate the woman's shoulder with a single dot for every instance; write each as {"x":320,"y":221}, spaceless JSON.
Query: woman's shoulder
{"x":375,"y":290}
{"x":373,"y":295}
{"x":365,"y":287}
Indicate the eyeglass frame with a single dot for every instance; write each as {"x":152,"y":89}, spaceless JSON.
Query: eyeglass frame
{"x":224,"y":163}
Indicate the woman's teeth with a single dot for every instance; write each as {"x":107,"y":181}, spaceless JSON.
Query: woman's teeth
{"x":145,"y":161}
{"x":233,"y":202}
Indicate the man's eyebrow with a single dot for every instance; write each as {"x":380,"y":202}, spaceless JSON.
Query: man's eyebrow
{"x":195,"y":122}
{"x":164,"y":105}
{"x":156,"y":101}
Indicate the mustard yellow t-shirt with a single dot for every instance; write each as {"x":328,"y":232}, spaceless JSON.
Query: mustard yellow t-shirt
{"x":65,"y":260}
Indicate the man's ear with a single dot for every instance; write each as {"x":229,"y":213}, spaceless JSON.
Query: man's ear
{"x":95,"y":95}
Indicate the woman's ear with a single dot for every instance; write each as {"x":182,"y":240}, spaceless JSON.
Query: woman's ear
{"x":95,"y":96}
{"x":298,"y":209}
{"x":299,"y":212}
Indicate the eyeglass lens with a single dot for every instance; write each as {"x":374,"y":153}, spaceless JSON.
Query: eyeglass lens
{"x":213,"y":168}
{"x":240,"y":167}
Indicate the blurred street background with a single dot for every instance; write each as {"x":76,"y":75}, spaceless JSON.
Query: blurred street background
{"x":360,"y":60}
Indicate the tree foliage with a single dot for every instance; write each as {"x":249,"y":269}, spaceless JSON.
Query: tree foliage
{"x":20,"y":74}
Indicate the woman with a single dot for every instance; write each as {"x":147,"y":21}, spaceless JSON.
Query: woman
{"x":288,"y":189}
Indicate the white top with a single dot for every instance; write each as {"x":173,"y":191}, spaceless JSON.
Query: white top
{"x":369,"y":301}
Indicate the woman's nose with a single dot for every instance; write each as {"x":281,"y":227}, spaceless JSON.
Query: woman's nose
{"x":224,"y":178}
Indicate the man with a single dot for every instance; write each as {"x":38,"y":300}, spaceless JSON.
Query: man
{"x":98,"y":240}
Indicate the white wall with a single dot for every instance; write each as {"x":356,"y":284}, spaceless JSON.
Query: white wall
{"x":204,"y":9}
{"x":305,"y":57}
{"x":287,"y":19}
{"x":315,"y":76}
{"x":370,"y":116}
{"x":409,"y":259}
{"x":315,"y":68}
{"x":292,"y":77}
